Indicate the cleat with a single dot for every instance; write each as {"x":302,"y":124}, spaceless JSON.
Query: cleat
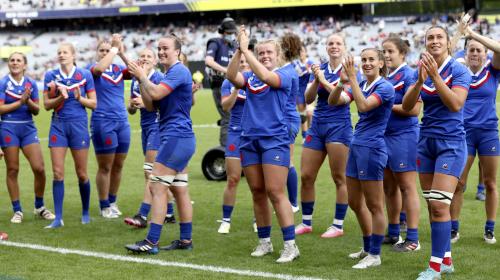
{"x":295,"y":209}
{"x":447,"y":269}
{"x":489,"y":237}
{"x":224,"y":227}
{"x":455,"y":235}
{"x":303,"y":229}
{"x":392,"y":239}
{"x":368,"y":261}
{"x":262,"y":249}
{"x":17,"y":218}
{"x":44,"y":213}
{"x":85,"y":219}
{"x":4,"y":236}
{"x":481,"y":196}
{"x":170,"y":220}
{"x":57,"y":223}
{"x":358,"y":255}
{"x":332,"y":232}
{"x":429,"y":274}
{"x":115,"y":209}
{"x":137,"y":221}
{"x":143,"y":246}
{"x":178,"y":245}
{"x":289,"y":253}
{"x":406,"y":246}
{"x":403,"y":227}
{"x":108,"y":213}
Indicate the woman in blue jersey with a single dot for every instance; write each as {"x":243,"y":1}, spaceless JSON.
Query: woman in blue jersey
{"x":264,"y":146}
{"x":173,"y":97}
{"x":149,"y":132}
{"x":401,"y":135}
{"x":442,"y":83}
{"x":18,"y":104}
{"x":233,"y":101}
{"x":374,"y":98}
{"x":481,"y":127}
{"x":68,"y":91}
{"x":109,"y":123}
{"x":330,"y":134}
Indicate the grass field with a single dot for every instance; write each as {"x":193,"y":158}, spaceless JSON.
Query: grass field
{"x":319,"y":258}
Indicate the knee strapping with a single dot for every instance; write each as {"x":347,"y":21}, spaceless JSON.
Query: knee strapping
{"x":165,"y":180}
{"x":180,"y":180}
{"x":148,"y":167}
{"x":441,"y":196}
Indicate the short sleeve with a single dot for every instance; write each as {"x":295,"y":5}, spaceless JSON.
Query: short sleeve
{"x":226,"y":88}
{"x":89,"y":85}
{"x":384,"y":93}
{"x":2,"y":91}
{"x":408,"y":80}
{"x":212,"y":48}
{"x":157,"y":77}
{"x":461,"y":77}
{"x":47,"y":79}
{"x":285,"y":78}
{"x":173,"y":78}
{"x":133,"y":92}
{"x":494,"y":72}
{"x":412,"y":79}
{"x":246,"y":76}
{"x":34,"y":91}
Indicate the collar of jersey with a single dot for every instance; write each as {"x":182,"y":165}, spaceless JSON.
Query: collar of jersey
{"x":444,"y":65}
{"x":70,"y":73}
{"x":397,"y":70}
{"x":178,"y":61}
{"x":151,"y":74}
{"x":480,"y":70}
{"x":15,"y":82}
{"x":336,"y":69}
{"x":368,"y":88}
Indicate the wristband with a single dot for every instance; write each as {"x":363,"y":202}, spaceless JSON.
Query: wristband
{"x":114,"y":50}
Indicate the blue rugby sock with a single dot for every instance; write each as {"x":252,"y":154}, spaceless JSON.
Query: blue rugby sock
{"x":393,"y":230}
{"x":58,"y":194}
{"x":366,"y":243}
{"x":375,"y":244}
{"x":307,"y":211}
{"x":227,"y":210}
{"x":112,"y":198}
{"x":144,"y":209}
{"x":186,"y":230}
{"x":85,"y":196}
{"x":340,"y":213}
{"x":16,"y":206}
{"x":170,"y":209}
{"x":39,"y":202}
{"x":292,"y":185}
{"x":489,"y":226}
{"x":288,"y":233}
{"x":154,"y":233}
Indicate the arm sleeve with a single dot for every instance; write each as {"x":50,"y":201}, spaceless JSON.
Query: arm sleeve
{"x":34,"y":91}
{"x":2,"y":92}
{"x":47,"y":79}
{"x":89,"y":85}
{"x":173,"y":79}
{"x":226,"y":88}
{"x":285,"y":78}
{"x":461,"y":78}
{"x":212,"y":49}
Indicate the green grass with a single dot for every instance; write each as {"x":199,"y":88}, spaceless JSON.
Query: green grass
{"x":319,"y":258}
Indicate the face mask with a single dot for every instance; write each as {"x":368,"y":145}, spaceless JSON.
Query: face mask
{"x":229,"y":37}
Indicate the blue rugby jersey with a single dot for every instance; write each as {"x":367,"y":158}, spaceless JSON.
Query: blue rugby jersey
{"x":237,"y":110}
{"x":438,"y":121}
{"x":70,"y":109}
{"x":11,"y":91}
{"x":401,"y":79}
{"x":110,"y":88}
{"x":147,"y":117}
{"x":265,"y":109}
{"x":175,"y":108}
{"x":371,"y":126}
{"x":324,"y":113}
{"x":480,"y":106}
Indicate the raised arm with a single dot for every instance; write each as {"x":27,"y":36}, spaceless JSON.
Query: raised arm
{"x":412,"y":95}
{"x":233,"y":74}
{"x":454,"y":98}
{"x":105,"y":62}
{"x":266,"y":76}
{"x":364,"y":104}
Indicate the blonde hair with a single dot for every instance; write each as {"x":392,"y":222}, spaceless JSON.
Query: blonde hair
{"x":71,"y":48}
{"x":276,"y":45}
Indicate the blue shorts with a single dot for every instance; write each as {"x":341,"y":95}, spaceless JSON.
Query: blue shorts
{"x":18,"y":134}
{"x":402,"y":152}
{"x":176,"y":152}
{"x":233,"y":144}
{"x":150,"y":138}
{"x":483,"y":141}
{"x":366,"y":163}
{"x":293,"y":129}
{"x":441,"y":156}
{"x":110,"y":136}
{"x":273,"y":150}
{"x":320,"y":134}
{"x":72,"y":134}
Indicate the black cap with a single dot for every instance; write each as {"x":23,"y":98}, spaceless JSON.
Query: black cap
{"x":227,"y":26}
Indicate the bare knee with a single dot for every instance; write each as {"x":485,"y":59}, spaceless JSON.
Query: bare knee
{"x":307,"y":180}
{"x":12,"y":172}
{"x":39,"y":170}
{"x":232,"y":181}
{"x":339,"y":180}
{"x":259,"y":195}
{"x":82,"y":176}
{"x":375,"y":207}
{"x":490,"y":184}
{"x":58,"y":173}
{"x":439,"y":210}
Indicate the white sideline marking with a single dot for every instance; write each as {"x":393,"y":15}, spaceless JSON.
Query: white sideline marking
{"x":208,"y":268}
{"x":211,"y":125}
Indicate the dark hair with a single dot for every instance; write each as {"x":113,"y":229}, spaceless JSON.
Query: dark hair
{"x":291,"y":45}
{"x":177,"y":41}
{"x":445,"y":32}
{"x":380,"y":55}
{"x":403,"y":46}
{"x":466,"y":44}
